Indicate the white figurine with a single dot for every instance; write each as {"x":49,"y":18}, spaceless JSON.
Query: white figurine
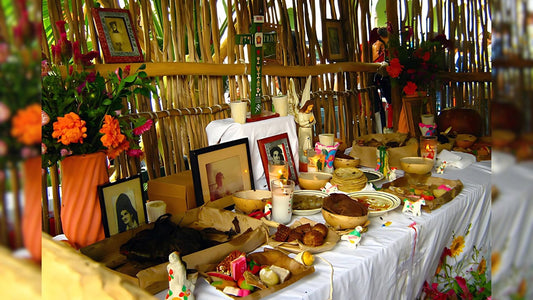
{"x":413,"y":206}
{"x":179,"y":287}
{"x":354,"y":237}
{"x":303,"y":113}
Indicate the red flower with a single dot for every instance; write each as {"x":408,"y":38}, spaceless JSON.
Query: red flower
{"x":135,"y":152}
{"x":66,"y":47}
{"x":61,"y":26}
{"x":462,"y":284}
{"x":395,"y":68}
{"x":143,"y":128}
{"x":410,"y":88}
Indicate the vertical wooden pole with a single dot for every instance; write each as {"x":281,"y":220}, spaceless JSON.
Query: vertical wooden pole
{"x":396,"y":96}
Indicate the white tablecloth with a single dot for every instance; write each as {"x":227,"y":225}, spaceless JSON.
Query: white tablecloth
{"x":225,"y":130}
{"x":511,"y":227}
{"x":393,"y":262}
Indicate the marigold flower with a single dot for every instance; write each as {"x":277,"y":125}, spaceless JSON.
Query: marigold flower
{"x":26,"y":125}
{"x":143,"y":128}
{"x":112,"y":137}
{"x":410,"y":88}
{"x":495,"y":261}
{"x":394,"y":68}
{"x":457,"y":245}
{"x":69,"y":129}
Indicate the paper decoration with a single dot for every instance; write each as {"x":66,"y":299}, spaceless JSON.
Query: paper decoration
{"x":413,"y":206}
{"x":354,"y":237}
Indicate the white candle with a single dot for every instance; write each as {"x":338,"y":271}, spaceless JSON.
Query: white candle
{"x":238,"y":111}
{"x":281,"y":105}
{"x":155,"y":209}
{"x":282,"y":191}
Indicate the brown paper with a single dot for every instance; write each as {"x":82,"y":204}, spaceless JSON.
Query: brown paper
{"x":368,"y":154}
{"x":155,"y":279}
{"x":430,"y":183}
{"x":269,"y":257}
{"x":296,"y":246}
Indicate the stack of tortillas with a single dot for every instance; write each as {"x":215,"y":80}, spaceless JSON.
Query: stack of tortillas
{"x":349,"y":179}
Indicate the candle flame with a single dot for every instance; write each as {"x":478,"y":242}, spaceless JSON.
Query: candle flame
{"x":428,"y":147}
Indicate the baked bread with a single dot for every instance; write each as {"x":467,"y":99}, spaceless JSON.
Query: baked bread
{"x":282,"y":233}
{"x":342,"y":204}
{"x":321,"y":228}
{"x":313,"y":238}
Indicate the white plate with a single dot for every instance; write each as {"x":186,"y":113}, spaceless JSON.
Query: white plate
{"x":375,"y":173}
{"x":308,"y":212}
{"x":378,"y":198}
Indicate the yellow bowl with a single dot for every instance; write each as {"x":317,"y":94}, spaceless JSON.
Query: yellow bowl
{"x":343,"y":222}
{"x":340,"y":162}
{"x":416,"y":165}
{"x":251,"y":200}
{"x":313,"y":180}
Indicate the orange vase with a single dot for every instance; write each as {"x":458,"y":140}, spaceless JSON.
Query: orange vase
{"x":80,"y":206}
{"x":32,"y":217}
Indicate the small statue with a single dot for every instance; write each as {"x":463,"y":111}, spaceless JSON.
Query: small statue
{"x":179,"y":287}
{"x":414,"y":207}
{"x":354,"y":237}
{"x":303,"y":113}
{"x":441,"y":167}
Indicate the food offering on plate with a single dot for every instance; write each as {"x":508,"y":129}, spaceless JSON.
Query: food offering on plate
{"x":378,"y":202}
{"x":313,"y":180}
{"x":342,"y":212}
{"x":372,"y":175}
{"x":240,"y":274}
{"x":303,"y":235}
{"x":349,"y":179}
{"x":306,"y":203}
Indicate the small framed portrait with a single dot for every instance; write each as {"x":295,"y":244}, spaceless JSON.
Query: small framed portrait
{"x":334,"y":41}
{"x":117,"y":36}
{"x":277,"y":150}
{"x":122,"y":204}
{"x":221,"y":170}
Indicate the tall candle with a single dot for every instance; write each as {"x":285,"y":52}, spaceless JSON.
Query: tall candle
{"x":277,"y":170}
{"x":282,"y":191}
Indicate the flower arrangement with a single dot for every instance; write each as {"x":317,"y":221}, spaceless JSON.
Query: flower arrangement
{"x":414,"y":67}
{"x":81,"y":110}
{"x":20,"y":91}
{"x":451,"y":282}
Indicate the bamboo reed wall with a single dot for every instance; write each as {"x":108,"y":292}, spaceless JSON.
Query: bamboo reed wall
{"x":198,"y":68}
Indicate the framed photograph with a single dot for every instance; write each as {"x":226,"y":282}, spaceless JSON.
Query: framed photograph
{"x":334,"y":41}
{"x":277,"y":148}
{"x":221,"y":170}
{"x":122,"y":204}
{"x":117,"y":36}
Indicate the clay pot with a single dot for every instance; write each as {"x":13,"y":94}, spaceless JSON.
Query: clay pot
{"x":462,"y":120}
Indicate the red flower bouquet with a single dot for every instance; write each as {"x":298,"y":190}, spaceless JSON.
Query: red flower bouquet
{"x":414,"y":67}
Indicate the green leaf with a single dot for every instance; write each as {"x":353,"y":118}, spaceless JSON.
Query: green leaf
{"x":107,"y":102}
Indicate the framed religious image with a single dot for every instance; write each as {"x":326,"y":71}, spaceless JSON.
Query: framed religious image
{"x":116,"y":33}
{"x":272,"y":52}
{"x":334,"y":41}
{"x":277,"y":150}
{"x":122,"y":204}
{"x":221,"y":170}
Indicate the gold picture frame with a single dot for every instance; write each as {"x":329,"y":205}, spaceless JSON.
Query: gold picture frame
{"x":221,"y":170}
{"x":334,"y":41}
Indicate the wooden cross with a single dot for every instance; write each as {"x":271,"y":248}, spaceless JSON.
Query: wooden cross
{"x":256,"y":38}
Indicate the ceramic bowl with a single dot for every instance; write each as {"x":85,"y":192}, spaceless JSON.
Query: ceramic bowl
{"x":416,"y":165}
{"x":340,"y":162}
{"x":465,"y":140}
{"x":313,"y":180}
{"x":343,"y":222}
{"x":251,"y":200}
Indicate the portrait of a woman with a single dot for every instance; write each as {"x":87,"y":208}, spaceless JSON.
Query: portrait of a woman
{"x":126,"y":215}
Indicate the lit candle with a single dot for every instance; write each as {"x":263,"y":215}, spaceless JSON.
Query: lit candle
{"x":282,"y":191}
{"x":428,"y":147}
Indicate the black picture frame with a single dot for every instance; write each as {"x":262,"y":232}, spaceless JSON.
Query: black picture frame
{"x":227,"y":162}
{"x":124,"y":193}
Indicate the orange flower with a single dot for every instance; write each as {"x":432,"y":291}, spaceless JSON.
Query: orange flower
{"x":495,"y":261}
{"x":457,"y":245}
{"x":112,"y":136}
{"x":69,"y":129}
{"x":26,"y":125}
{"x":395,"y":68}
{"x":113,"y":139}
{"x":482,"y":267}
